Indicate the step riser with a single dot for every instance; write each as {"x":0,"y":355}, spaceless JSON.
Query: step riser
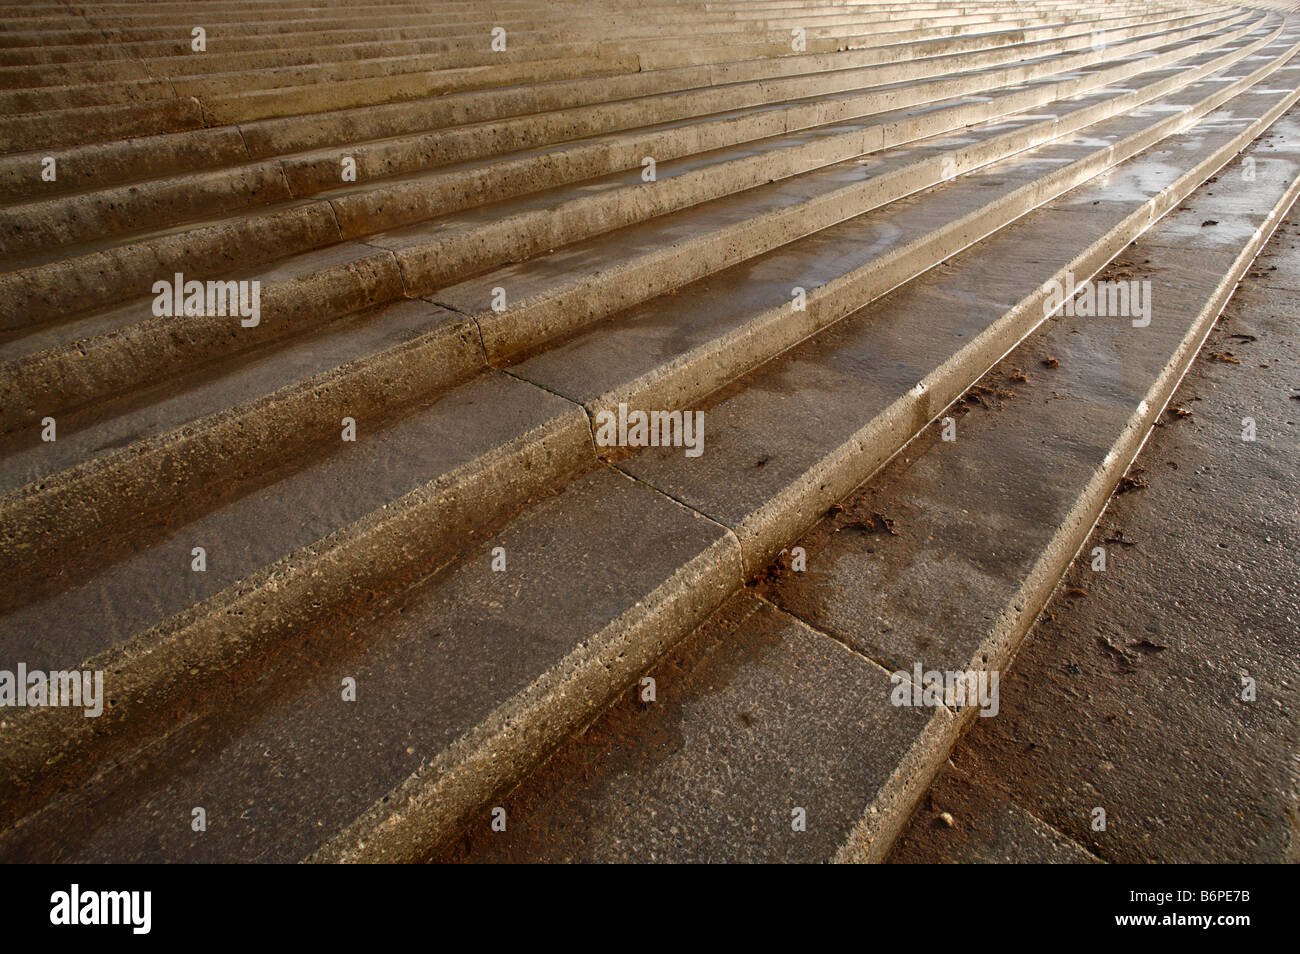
{"x":532,"y":322}
{"x":115,"y":162}
{"x":408,"y":825}
{"x":318,"y":174}
{"x":106,"y":165}
{"x":924,"y":214}
{"x":112,"y":497}
{"x":71,"y":125}
{"x":31,"y":514}
{"x":101,"y":369}
{"x":36,"y":296}
{"x":273,"y":103}
{"x":766,"y":335}
{"x":768,"y":530}
{"x":393,"y":206}
{"x":80,"y":219}
{"x":69,"y":287}
{"x":38,"y":227}
{"x":157,"y":348}
{"x":874,"y":837}
{"x":196,"y":658}
{"x":510,"y":239}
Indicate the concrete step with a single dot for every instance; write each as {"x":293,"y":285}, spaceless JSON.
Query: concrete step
{"x":561,"y":612}
{"x":751,"y":322}
{"x":376,"y":205}
{"x":477,"y":563}
{"x":747,"y":112}
{"x":162,"y":38}
{"x":1206,"y":550}
{"x":90,"y":358}
{"x":781,"y":703}
{"x":129,"y":160}
{"x":108,"y":163}
{"x":60,"y":126}
{"x":463,"y":775}
{"x":183,"y":450}
{"x":76,"y":218}
{"x":550,"y":296}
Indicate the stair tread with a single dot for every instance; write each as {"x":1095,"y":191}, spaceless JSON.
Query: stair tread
{"x":385,"y":184}
{"x":921,"y":171}
{"x":439,"y":664}
{"x":348,"y":340}
{"x":973,"y":520}
{"x":257,"y":529}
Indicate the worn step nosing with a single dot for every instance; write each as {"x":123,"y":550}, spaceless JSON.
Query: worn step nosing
{"x":874,"y":836}
{"x":72,"y":376}
{"x":263,"y":142}
{"x":687,"y":379}
{"x":430,"y":806}
{"x":702,"y":370}
{"x":170,"y":668}
{"x":429,"y":265}
{"x":521,"y":732}
{"x":542,"y":699}
{"x":50,"y":519}
{"x":84,"y":370}
{"x":359,"y":213}
{"x":532,"y":321}
{"x":26,"y":133}
{"x":766,"y":530}
{"x":317,"y":171}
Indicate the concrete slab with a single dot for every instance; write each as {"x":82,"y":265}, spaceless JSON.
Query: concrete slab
{"x":783,"y":448}
{"x":962,"y":822}
{"x":292,"y":505}
{"x":757,"y":718}
{"x":1129,"y":698}
{"x":580,"y":591}
{"x":326,"y":564}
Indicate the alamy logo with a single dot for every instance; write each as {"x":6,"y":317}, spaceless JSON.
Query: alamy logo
{"x":955,"y":689}
{"x":1127,"y":299}
{"x":651,"y":429}
{"x":103,"y":907}
{"x":35,"y":688}
{"x":214,"y":299}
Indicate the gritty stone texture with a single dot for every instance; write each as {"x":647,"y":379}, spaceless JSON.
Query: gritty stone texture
{"x":1127,"y":694}
{"x":429,"y":665}
{"x":961,"y":822}
{"x":393,"y":458}
{"x":756,"y":716}
{"x":848,"y":172}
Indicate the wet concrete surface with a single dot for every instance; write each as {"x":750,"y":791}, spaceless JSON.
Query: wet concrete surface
{"x":943,"y":559}
{"x":765,"y":741}
{"x":1128,"y":695}
{"x":295,"y":760}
